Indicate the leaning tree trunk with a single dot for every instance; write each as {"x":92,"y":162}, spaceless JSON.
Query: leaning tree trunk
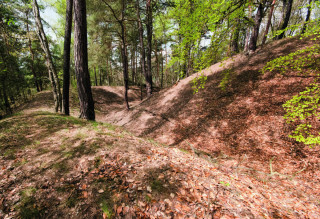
{"x":66,"y":58}
{"x":255,"y":34}
{"x":149,"y":48}
{"x":268,"y":23}
{"x":285,"y":22}
{"x":81,"y":61}
{"x":53,"y":76}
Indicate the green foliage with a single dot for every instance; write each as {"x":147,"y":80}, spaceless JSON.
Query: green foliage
{"x":227,"y":74}
{"x":302,"y":110}
{"x":302,"y":62}
{"x":199,"y":83}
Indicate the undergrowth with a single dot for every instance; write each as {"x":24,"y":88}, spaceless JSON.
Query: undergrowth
{"x":302,"y":110}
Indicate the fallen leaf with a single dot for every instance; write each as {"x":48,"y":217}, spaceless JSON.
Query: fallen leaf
{"x":126,"y":210}
{"x":119,"y":209}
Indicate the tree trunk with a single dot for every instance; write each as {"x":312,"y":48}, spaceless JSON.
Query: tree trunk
{"x":149,"y":47}
{"x":5,"y":98}
{"x":285,"y":22}
{"x":142,"y":50}
{"x":108,"y":72}
{"x":124,"y":55}
{"x":268,"y":23}
{"x":157,"y":62}
{"x":235,"y":38}
{"x":95,"y":76}
{"x":133,"y":64}
{"x":100,"y":77}
{"x":81,"y":61}
{"x":161,"y":69}
{"x":246,"y":44}
{"x":255,"y":34}
{"x":53,"y":76}
{"x":307,"y":18}
{"x":32,"y":54}
{"x":66,"y":58}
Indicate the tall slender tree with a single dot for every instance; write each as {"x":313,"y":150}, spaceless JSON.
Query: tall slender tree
{"x":284,"y":24}
{"x":81,"y":61}
{"x":66,"y":57}
{"x":257,"y":24}
{"x":149,"y":47}
{"x":53,"y":76}
{"x":142,"y":49}
{"x":268,"y":22}
{"x":123,"y":46}
{"x":307,"y":18}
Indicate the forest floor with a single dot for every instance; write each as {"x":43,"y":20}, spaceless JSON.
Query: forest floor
{"x":214,"y":154}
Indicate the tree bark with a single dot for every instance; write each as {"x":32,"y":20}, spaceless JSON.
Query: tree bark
{"x":5,"y":98}
{"x":100,"y":77}
{"x":246,"y":44}
{"x":268,"y":23}
{"x":149,"y":48}
{"x":66,"y":58}
{"x":108,"y":72}
{"x":133,"y":64}
{"x":142,"y":50}
{"x":307,"y":18}
{"x":161,"y":83}
{"x":285,"y":22}
{"x":81,"y":61}
{"x":235,"y":38}
{"x":95,"y":76}
{"x":157,"y":62}
{"x":255,"y":34}
{"x":53,"y":76}
{"x":124,"y":55}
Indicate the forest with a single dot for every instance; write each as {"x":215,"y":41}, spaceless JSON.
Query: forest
{"x":159,"y":109}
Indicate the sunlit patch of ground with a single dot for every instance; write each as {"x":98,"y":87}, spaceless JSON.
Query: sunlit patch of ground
{"x":62,"y":167}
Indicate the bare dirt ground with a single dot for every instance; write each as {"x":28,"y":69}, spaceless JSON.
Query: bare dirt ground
{"x":214,"y":154}
{"x":244,"y":121}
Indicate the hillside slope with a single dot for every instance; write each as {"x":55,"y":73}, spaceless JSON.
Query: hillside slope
{"x":245,"y":121}
{"x":222,"y":153}
{"x":53,"y":166}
